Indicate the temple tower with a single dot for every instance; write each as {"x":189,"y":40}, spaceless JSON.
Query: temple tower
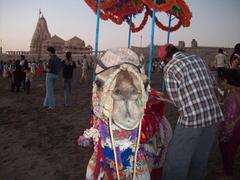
{"x":40,"y":34}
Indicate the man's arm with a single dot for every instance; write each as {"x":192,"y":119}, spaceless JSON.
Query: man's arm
{"x":50,"y":65}
{"x":215,"y":62}
{"x":172,"y":86}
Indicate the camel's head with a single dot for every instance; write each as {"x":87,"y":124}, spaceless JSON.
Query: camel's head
{"x":120,"y":91}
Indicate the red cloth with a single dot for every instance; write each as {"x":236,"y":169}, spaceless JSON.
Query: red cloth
{"x":152,"y":116}
{"x":40,"y":70}
{"x":163,"y":51}
{"x":156,"y":174}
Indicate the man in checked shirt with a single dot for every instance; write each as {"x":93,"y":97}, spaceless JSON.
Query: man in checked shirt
{"x":190,"y":87}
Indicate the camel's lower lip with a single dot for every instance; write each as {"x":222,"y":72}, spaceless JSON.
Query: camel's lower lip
{"x":127,"y":125}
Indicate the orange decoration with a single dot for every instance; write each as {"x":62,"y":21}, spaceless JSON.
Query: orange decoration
{"x":160,"y":7}
{"x":119,"y":11}
{"x":141,"y":26}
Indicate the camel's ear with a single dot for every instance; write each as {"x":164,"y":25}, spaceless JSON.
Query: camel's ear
{"x":142,"y":63}
{"x":146,"y":81}
{"x":141,"y":59}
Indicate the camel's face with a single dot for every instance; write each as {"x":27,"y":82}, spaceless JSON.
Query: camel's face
{"x":127,"y":109}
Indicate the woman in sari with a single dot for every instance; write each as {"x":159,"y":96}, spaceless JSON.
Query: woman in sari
{"x":229,"y":140}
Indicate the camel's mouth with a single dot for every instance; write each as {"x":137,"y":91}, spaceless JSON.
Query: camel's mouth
{"x":128,"y":123}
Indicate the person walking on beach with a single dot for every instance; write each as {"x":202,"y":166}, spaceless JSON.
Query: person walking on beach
{"x":17,"y":75}
{"x":24,"y":66}
{"x":68,"y":66}
{"x":190,"y":87}
{"x":54,"y":67}
{"x":220,"y":63}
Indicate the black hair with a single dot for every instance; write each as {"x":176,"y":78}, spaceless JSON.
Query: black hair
{"x":220,"y":50}
{"x":68,"y":55}
{"x":51,"y":49}
{"x":17,"y":65}
{"x":171,"y":50}
{"x":232,"y":76}
{"x":237,"y":48}
{"x":22,"y":56}
{"x":17,"y":62}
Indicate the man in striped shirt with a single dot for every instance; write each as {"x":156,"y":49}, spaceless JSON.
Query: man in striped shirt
{"x":190,"y":87}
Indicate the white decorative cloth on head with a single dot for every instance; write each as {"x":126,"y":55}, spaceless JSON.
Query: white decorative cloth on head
{"x":126,"y":58}
{"x":118,"y":56}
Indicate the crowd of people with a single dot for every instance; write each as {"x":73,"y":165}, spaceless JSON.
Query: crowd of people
{"x":22,"y":72}
{"x":36,"y":68}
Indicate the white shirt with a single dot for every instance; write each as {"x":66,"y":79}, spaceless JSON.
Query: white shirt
{"x":220,"y":60}
{"x":28,"y":77}
{"x":22,"y":62}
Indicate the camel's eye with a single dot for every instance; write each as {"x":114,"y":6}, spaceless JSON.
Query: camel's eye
{"x":117,"y":92}
{"x":146,"y":83}
{"x":99,"y":83}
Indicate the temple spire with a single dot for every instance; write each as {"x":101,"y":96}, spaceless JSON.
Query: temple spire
{"x":40,"y":34}
{"x":40,"y":12}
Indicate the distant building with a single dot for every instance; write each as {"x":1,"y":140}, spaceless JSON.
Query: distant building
{"x":17,"y":52}
{"x":194,"y":44}
{"x":42,"y":39}
{"x":55,"y":42}
{"x":76,"y":46}
{"x":181,"y":44}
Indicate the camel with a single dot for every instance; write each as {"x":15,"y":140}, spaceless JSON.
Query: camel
{"x":128,"y":128}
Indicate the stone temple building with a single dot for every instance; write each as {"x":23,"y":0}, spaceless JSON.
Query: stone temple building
{"x":42,"y":39}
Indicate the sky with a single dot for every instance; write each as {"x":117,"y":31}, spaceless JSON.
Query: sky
{"x":214,"y":23}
